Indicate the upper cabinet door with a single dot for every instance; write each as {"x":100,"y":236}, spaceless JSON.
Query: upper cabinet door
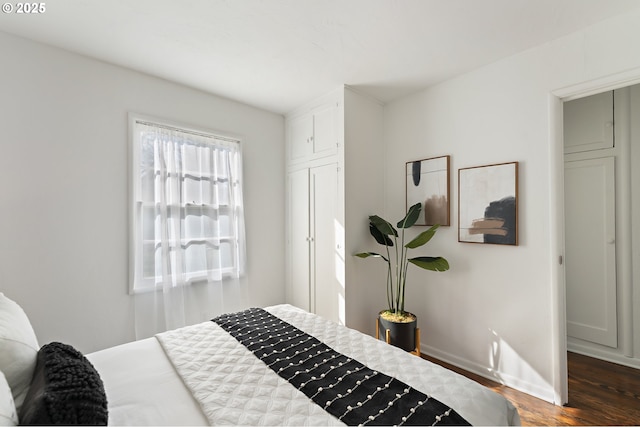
{"x":313,"y":135}
{"x":325,"y":141}
{"x":588,"y":123}
{"x":300,"y":134}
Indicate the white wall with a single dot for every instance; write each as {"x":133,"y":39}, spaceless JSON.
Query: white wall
{"x":64,"y":189}
{"x":493,"y":312}
{"x":364,"y":188}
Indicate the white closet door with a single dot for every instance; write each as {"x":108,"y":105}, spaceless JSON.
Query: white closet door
{"x":591,"y":250}
{"x":326,"y":289}
{"x":299,"y":280}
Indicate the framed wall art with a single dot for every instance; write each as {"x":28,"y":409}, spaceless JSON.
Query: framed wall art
{"x":488,"y":204}
{"x":427,"y":182}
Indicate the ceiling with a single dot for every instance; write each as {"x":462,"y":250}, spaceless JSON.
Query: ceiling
{"x":278,"y":54}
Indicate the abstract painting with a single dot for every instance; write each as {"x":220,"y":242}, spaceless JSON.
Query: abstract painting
{"x":488,"y":204}
{"x":428,"y":183}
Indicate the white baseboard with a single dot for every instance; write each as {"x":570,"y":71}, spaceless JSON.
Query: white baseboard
{"x":602,"y":354}
{"x":546,"y":394}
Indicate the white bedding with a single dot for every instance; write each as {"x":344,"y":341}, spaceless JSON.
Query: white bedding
{"x":143,"y":387}
{"x":215,"y":379}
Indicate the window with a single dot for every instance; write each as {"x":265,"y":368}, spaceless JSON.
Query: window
{"x":187,"y":223}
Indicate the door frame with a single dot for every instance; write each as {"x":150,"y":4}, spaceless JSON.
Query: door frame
{"x":556,"y":99}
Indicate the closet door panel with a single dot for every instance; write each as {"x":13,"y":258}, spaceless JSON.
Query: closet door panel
{"x":327,"y":290}
{"x":591,"y":250}
{"x":299,"y":279}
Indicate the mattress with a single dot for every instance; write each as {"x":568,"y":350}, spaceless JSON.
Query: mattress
{"x":200,"y":375}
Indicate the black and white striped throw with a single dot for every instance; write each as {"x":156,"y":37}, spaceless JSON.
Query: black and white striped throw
{"x":344,"y":387}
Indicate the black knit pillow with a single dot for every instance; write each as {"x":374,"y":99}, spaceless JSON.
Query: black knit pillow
{"x":66,"y":389}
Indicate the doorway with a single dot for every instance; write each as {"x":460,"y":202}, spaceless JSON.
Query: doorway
{"x":591,"y":154}
{"x":613,"y":331}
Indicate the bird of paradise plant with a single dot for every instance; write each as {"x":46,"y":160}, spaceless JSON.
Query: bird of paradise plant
{"x":397,"y":259}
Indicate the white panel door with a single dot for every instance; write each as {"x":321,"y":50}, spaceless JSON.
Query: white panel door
{"x":326,"y":289}
{"x":298,"y":286}
{"x":590,"y":250}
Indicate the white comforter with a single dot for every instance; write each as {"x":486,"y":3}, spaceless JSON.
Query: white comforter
{"x":219,"y":381}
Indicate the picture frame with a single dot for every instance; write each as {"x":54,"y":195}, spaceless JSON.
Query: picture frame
{"x":428,"y":182}
{"x":488,"y":204}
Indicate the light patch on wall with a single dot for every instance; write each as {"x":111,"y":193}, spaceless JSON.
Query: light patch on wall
{"x":504,"y":358}
{"x":340,"y":270}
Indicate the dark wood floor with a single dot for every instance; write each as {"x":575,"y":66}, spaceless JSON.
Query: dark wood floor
{"x":600,"y":393}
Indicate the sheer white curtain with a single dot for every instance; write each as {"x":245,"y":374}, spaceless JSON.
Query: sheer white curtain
{"x":189,"y":240}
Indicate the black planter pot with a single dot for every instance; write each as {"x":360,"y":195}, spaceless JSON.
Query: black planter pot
{"x":401,"y":334}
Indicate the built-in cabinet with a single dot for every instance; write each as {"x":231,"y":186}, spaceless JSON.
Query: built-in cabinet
{"x":314,"y":165}
{"x":333,"y":160}
{"x":590,"y":227}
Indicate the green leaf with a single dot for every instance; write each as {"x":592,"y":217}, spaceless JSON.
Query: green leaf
{"x":370,"y":254}
{"x":430,"y":263}
{"x":422,"y":238}
{"x":383,"y":239}
{"x":411,"y":217}
{"x":383,"y":225}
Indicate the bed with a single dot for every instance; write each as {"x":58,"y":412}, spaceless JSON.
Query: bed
{"x":206,"y":374}
{"x":144,"y":386}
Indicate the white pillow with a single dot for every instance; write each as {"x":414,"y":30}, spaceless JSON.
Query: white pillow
{"x":18,"y":348}
{"x":8,"y":413}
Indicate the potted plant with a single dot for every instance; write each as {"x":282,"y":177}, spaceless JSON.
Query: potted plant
{"x":400,"y":323}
